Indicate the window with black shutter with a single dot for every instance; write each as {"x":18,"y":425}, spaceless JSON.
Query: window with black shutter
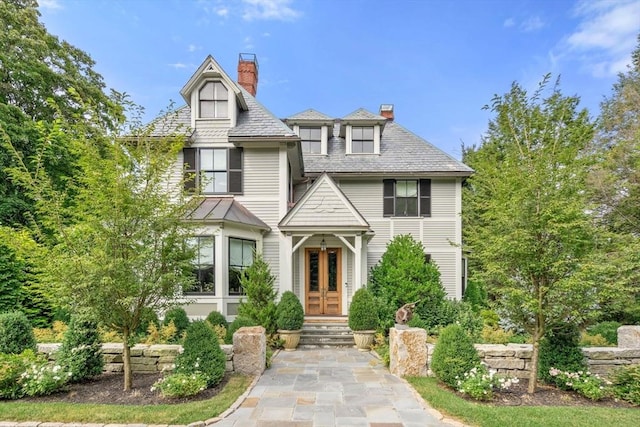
{"x":406,"y":197}
{"x":213,"y":170}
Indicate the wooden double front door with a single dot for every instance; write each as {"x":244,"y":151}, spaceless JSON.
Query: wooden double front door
{"x":323,"y":278}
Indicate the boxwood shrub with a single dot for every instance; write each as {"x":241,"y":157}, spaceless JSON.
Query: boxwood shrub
{"x":454,"y":355}
{"x":16,"y":333}
{"x":202,"y":354}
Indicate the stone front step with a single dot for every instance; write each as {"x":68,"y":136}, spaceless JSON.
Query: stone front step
{"x":321,"y":333}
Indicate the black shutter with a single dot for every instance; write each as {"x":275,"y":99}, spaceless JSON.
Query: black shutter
{"x":235,"y":170}
{"x":425,"y":197}
{"x":388,"y":194}
{"x":189,"y":179}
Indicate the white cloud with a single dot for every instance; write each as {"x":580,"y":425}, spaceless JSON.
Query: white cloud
{"x":266,"y":34}
{"x":605,"y":36}
{"x":277,"y":10}
{"x":193,"y":48}
{"x":532,"y":24}
{"x":248,"y":43}
{"x":222,"y":11}
{"x":50,"y":4}
{"x":178,"y":65}
{"x":509,"y":22}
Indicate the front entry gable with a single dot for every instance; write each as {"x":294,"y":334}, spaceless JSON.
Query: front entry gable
{"x":324,"y":206}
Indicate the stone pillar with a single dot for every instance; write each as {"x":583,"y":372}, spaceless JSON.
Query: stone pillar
{"x":629,"y":337}
{"x":250,"y":350}
{"x":408,"y":352}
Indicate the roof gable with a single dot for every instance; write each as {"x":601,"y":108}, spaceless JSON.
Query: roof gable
{"x":211,"y":69}
{"x":362,"y":114}
{"x":324,"y":205}
{"x":309,"y":115}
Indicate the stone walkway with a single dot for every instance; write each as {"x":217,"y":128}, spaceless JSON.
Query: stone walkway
{"x":331,"y":387}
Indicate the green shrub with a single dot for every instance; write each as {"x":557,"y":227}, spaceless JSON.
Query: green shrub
{"x":417,"y":322}
{"x":626,"y":384}
{"x":181,"y":385}
{"x":560,"y":349}
{"x":148,"y":317}
{"x":42,"y":378}
{"x":490,"y":318}
{"x":466,"y":317}
{"x":609,"y":330}
{"x":12,"y":366}
{"x":179,"y":318}
{"x":217,"y":318}
{"x":238,"y":323}
{"x":403,"y":276}
{"x":454,"y":355}
{"x":16,"y":334}
{"x":475,"y":295}
{"x":11,"y":278}
{"x":363,"y":313}
{"x":81,"y":350}
{"x":289,"y":312}
{"x":260,"y":306}
{"x":202,"y":354}
{"x":588,"y":340}
{"x":583,"y":382}
{"x":495,"y":335}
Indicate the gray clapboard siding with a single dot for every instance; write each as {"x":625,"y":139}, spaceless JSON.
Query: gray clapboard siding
{"x":446,"y":262}
{"x":260,"y":172}
{"x":271,"y":254}
{"x":439,"y":233}
{"x":366,"y":196}
{"x":407,"y":226}
{"x":443,"y":198}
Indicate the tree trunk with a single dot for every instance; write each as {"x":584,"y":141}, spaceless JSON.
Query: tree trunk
{"x":126,"y":358}
{"x":533,"y":375}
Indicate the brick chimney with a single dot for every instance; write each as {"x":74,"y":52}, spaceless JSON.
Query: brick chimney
{"x":386,"y":111}
{"x":248,"y":72}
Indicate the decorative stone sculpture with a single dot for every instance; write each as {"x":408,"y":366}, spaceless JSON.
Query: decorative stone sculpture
{"x":405,"y":313}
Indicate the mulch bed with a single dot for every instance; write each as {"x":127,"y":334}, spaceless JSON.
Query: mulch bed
{"x":108,"y":388}
{"x":546,"y":395}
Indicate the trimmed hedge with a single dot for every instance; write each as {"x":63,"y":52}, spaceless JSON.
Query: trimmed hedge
{"x":202,"y":354}
{"x":454,"y":355}
{"x":16,"y":333}
{"x":289,"y":312}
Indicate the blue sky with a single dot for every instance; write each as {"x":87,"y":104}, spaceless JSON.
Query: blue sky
{"x":438,"y":62}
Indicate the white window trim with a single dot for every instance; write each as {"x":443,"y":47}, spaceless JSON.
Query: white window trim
{"x":376,"y":140}
{"x":324,"y":139}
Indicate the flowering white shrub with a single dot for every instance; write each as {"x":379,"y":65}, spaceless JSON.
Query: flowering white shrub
{"x":42,"y":378}
{"x":583,"y":382}
{"x":181,"y":385}
{"x":480,"y":382}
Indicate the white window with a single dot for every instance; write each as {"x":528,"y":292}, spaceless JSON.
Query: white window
{"x":214,"y":100}
{"x":362,"y":140}
{"x":311,"y":138}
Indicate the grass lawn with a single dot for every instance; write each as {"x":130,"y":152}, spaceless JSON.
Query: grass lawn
{"x":111,"y":414}
{"x":478,"y":414}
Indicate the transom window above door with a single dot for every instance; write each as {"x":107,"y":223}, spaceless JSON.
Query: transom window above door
{"x":213,"y":101}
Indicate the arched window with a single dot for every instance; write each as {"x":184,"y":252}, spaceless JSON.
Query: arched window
{"x":214,"y":100}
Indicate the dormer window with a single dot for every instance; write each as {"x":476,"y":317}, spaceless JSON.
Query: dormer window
{"x":311,"y":139}
{"x":362,"y":139}
{"x":214,"y":101}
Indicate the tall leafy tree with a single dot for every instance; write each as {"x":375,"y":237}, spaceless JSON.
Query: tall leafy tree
{"x":120,"y":249}
{"x":43,"y":78}
{"x":532,"y":233}
{"x":615,"y":185}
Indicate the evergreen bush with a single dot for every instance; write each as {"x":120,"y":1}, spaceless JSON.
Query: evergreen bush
{"x":12,"y":366}
{"x":475,"y":294}
{"x":560,"y":349}
{"x":454,"y":355}
{"x":289,"y":312}
{"x":81,"y":350}
{"x":11,"y":278}
{"x":403,"y":276}
{"x":609,"y":330}
{"x":237,"y":323}
{"x":260,"y":306}
{"x":216,"y":318}
{"x":202,"y":354}
{"x":179,"y":318}
{"x":363,"y":312}
{"x":16,"y":333}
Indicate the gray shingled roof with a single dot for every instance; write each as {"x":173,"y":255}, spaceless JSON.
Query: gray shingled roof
{"x":225,"y":209}
{"x":362,"y":114}
{"x":309,"y":114}
{"x":401,"y":152}
{"x":259,"y":122}
{"x":177,"y":121}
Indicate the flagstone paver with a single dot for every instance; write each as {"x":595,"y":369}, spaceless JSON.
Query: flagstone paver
{"x":331,"y":387}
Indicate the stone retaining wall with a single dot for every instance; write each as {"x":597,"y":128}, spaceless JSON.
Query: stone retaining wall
{"x":515,"y":359}
{"x":144,"y":358}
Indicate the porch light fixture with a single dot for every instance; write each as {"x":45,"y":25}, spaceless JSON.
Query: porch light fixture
{"x":323,"y":244}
